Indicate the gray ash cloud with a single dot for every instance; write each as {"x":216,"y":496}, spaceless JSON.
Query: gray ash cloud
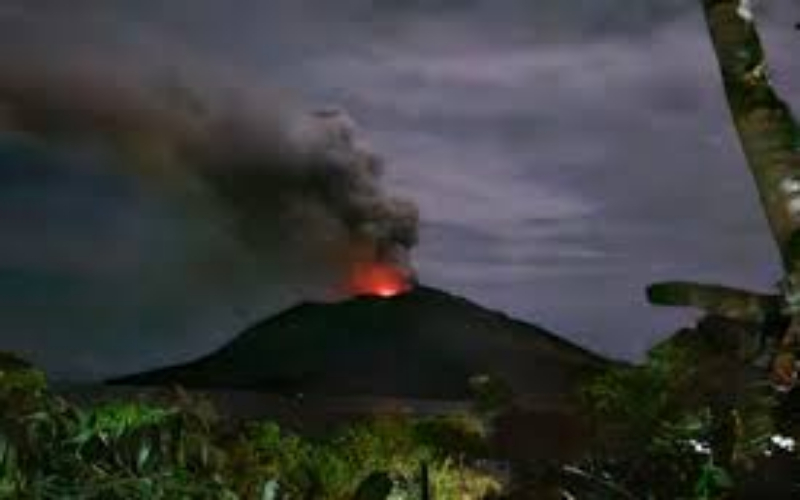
{"x":291,"y":185}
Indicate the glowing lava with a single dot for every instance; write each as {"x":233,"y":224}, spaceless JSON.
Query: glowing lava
{"x":387,"y":290}
{"x":381,"y":280}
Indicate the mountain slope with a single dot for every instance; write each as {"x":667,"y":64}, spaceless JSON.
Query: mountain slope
{"x":425,"y":343}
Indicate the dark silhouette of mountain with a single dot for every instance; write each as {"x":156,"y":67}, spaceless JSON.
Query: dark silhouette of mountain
{"x":423,"y":344}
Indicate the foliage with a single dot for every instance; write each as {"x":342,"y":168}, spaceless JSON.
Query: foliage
{"x":461,"y":434}
{"x":661,"y":434}
{"x":50,"y":449}
{"x":117,"y":450}
{"x":336,"y":467}
{"x":642,"y":397}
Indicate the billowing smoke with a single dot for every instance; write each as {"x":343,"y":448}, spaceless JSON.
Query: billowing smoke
{"x":296,"y":188}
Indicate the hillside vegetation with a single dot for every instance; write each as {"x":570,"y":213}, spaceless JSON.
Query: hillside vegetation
{"x":128,"y":450}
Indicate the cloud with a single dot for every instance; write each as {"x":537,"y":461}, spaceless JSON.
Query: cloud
{"x":530,"y":153}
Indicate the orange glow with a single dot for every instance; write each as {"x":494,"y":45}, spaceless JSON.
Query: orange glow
{"x":387,"y":291}
{"x":382,"y":280}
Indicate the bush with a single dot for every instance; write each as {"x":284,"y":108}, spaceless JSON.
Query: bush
{"x":663,"y":434}
{"x":394,"y":447}
{"x":131,"y":450}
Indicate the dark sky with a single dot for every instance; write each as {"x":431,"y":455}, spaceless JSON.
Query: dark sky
{"x":562,"y":153}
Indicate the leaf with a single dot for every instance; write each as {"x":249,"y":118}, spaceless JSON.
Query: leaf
{"x":270,"y":490}
{"x":143,"y":456}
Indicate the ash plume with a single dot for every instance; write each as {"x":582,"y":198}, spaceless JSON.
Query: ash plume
{"x":295,"y":188}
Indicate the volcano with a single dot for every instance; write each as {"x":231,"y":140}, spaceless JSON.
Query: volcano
{"x":424,"y":343}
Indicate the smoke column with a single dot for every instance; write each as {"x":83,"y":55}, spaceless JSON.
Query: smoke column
{"x":295,"y":188}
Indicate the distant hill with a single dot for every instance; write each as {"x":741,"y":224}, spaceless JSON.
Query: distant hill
{"x":423,"y":344}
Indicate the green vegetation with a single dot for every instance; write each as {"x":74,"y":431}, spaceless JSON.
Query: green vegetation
{"x":665,"y":432}
{"x":50,"y":449}
{"x":684,"y":425}
{"x":391,"y":447}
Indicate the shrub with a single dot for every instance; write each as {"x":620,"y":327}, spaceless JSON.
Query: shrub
{"x":664,"y":434}
{"x":132,"y":450}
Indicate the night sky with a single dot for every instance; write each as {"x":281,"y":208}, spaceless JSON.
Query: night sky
{"x":562,"y":155}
